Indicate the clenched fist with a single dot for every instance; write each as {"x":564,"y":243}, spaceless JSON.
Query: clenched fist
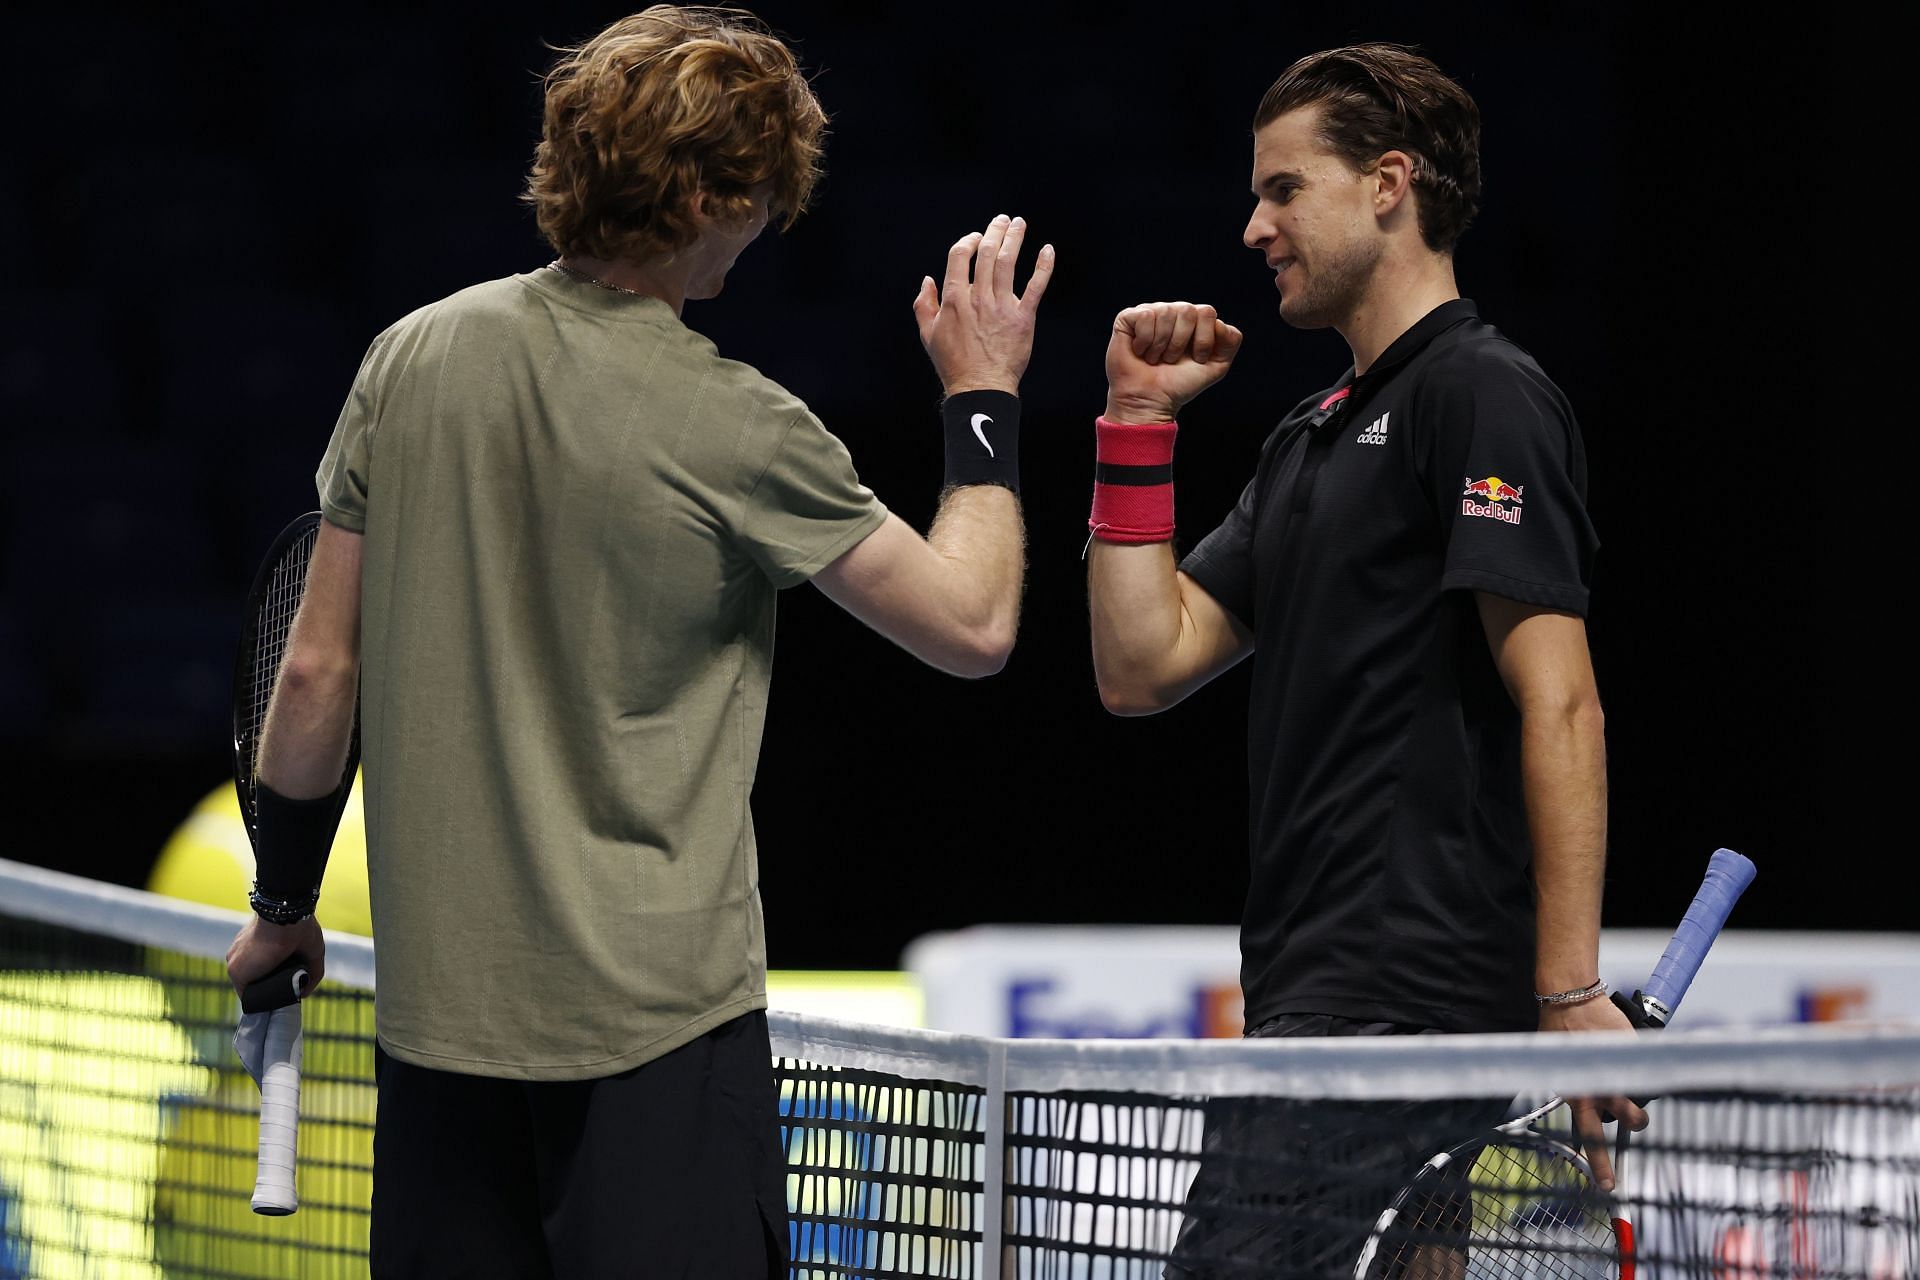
{"x":1163,"y":354}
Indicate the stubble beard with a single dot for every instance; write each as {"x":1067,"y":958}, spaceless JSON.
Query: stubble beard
{"x":1333,"y":289}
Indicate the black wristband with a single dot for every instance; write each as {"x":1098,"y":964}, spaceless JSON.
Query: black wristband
{"x":983,"y":438}
{"x":291,"y":846}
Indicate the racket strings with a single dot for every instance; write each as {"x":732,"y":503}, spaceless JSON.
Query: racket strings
{"x":272,"y":627}
{"x":1516,"y":1211}
{"x":1536,"y":1213}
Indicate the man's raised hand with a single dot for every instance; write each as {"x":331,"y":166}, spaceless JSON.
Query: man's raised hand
{"x":977,"y":331}
{"x":1163,"y":354}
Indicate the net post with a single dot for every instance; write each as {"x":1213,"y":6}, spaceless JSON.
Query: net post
{"x":993,"y":1175}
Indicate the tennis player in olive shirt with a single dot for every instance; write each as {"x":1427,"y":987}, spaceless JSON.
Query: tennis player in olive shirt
{"x":556,"y":521}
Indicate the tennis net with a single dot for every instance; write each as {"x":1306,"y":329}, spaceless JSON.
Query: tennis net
{"x":127,"y":1137}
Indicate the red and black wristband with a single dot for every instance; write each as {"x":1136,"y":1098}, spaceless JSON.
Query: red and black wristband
{"x":1133,"y":482}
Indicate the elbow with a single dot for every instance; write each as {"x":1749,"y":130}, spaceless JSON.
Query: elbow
{"x":1574,"y":710}
{"x":307,"y":675}
{"x":984,"y":653}
{"x":1130,"y":688}
{"x":1582,"y":710}
{"x":1124,"y":699}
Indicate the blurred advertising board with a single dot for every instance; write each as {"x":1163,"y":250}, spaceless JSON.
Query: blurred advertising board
{"x":886,"y":998}
{"x":1100,"y":981}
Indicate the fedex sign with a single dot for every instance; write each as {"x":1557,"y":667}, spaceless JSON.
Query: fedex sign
{"x":1081,"y":981}
{"x":1037,"y":1008}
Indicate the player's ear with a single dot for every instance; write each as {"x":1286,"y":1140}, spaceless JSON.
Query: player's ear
{"x":1393,"y":182}
{"x":710,"y":211}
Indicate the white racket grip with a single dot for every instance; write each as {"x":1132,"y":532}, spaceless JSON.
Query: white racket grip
{"x":273,"y":1188}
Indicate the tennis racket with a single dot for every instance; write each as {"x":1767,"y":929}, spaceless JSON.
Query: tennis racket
{"x":272,"y":603}
{"x":1521,"y":1201}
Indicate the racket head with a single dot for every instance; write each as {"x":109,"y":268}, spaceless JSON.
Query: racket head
{"x":1519,"y":1203}
{"x":272,"y":603}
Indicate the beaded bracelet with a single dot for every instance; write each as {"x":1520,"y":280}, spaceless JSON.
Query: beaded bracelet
{"x":281,"y":911}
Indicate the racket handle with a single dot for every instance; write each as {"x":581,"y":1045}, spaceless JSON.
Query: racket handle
{"x":1728,"y":875}
{"x":275,"y":990}
{"x":273,"y":1188}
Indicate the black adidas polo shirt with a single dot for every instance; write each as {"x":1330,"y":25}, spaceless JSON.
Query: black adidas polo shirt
{"x":1390,"y":850}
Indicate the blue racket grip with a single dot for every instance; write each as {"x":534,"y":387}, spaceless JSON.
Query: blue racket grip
{"x":1728,"y":875}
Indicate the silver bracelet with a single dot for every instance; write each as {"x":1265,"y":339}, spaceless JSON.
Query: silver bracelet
{"x":1579,"y":996}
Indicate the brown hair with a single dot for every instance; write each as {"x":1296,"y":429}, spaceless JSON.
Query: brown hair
{"x":661,"y":105}
{"x":1376,"y":98}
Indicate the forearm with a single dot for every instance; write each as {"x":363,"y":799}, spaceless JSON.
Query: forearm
{"x":1138,"y":622}
{"x":980,"y":537}
{"x":1563,"y":765}
{"x":951,"y":598}
{"x":303,"y":753}
{"x":303,"y":750}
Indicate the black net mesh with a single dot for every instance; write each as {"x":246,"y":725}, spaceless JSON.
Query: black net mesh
{"x":128,"y":1132}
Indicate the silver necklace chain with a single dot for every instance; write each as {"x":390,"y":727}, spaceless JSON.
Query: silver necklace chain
{"x":584,"y":278}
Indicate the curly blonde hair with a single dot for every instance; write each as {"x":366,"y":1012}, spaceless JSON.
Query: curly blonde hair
{"x":662,"y":105}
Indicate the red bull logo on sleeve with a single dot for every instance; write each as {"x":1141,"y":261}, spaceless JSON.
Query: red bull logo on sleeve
{"x":1502,"y":500}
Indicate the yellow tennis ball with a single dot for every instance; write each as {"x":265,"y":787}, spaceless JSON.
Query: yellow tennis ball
{"x":209,"y":859}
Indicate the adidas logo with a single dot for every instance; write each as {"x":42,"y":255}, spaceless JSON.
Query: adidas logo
{"x":1376,"y":432}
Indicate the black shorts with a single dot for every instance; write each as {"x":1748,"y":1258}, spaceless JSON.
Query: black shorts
{"x":672,"y":1169}
{"x":1291,"y":1188}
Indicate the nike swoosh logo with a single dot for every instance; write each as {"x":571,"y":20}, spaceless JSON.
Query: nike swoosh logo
{"x":979,"y":418}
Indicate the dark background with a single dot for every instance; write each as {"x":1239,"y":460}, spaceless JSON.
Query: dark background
{"x":214,"y":214}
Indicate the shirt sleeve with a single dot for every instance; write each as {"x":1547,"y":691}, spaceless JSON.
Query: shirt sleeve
{"x":344,"y":470}
{"x":1223,"y":562}
{"x":807,"y":507}
{"x":1500,"y":454}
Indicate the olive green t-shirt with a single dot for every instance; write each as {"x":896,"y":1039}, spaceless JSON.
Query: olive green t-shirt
{"x":576,"y":516}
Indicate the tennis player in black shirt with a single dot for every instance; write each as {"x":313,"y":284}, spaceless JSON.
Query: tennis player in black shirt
{"x":1409,"y":569}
